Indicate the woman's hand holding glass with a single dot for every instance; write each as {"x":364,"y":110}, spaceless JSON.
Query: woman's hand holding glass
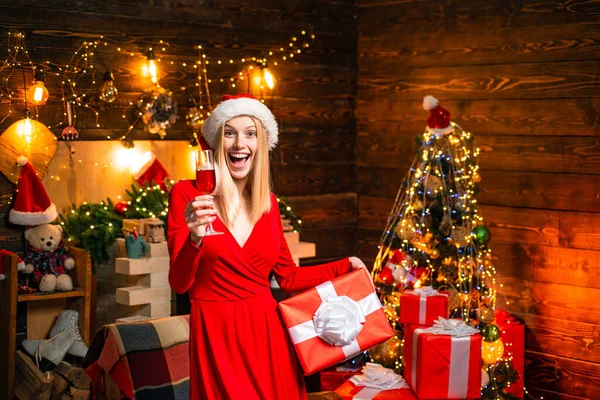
{"x":198,"y":214}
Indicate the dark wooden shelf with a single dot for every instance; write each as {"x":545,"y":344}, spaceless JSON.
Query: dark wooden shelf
{"x":53,"y":295}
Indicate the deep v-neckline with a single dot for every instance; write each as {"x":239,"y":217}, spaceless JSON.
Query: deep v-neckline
{"x":242,"y":247}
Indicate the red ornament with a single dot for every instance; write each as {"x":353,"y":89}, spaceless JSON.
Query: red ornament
{"x":121,"y":207}
{"x":414,"y":275}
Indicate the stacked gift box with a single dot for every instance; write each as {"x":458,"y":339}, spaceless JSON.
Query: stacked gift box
{"x":343,"y":317}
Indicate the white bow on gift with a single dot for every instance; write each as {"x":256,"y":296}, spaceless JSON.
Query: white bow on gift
{"x":339,"y":320}
{"x":453,"y":327}
{"x":378,"y":377}
{"x":425,"y":291}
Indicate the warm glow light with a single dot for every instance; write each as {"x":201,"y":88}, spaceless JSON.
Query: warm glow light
{"x":38,"y":94}
{"x":128,"y":159}
{"x":269,"y":78}
{"x":24,"y":129}
{"x":153,"y":71}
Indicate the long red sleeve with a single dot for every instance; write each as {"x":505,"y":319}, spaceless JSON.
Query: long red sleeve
{"x":184,"y":256}
{"x":292,"y":278}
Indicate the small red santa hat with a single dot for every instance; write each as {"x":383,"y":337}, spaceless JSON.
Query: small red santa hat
{"x":152,"y":170}
{"x":32,"y":205}
{"x":3,"y":261}
{"x":439,"y":118}
{"x":232,"y":106}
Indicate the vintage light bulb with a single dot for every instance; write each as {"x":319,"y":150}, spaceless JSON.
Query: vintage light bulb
{"x":108,"y":91}
{"x":25,"y":129}
{"x":38,"y":94}
{"x":268,"y":77}
{"x":152,"y":67}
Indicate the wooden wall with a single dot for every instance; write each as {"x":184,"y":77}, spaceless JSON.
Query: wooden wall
{"x":522,"y":76}
{"x":313,"y":101}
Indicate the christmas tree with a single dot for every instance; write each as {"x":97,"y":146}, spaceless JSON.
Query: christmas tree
{"x":435,"y":237}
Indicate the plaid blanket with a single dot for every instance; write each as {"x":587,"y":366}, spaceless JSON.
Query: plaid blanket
{"x":146,"y":360}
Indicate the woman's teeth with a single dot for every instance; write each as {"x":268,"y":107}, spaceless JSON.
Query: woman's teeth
{"x":238,"y":160}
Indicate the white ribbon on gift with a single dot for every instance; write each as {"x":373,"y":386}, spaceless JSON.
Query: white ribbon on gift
{"x":458,"y":381}
{"x":376,"y":378}
{"x":336,"y":321}
{"x":424,"y":292}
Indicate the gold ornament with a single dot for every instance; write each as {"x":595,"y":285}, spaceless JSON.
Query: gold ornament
{"x":433,"y":184}
{"x":485,"y":378}
{"x":434,"y":254}
{"x":461,"y":235}
{"x":485,"y":315}
{"x":492,"y":352}
{"x":406,"y":229}
{"x":417,"y":205}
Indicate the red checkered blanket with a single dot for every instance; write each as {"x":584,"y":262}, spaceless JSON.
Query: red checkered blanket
{"x":146,"y":360}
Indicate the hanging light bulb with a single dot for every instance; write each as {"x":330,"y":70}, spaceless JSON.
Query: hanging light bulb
{"x":108,"y":92}
{"x":268,"y":77}
{"x":152,"y":68}
{"x":25,"y":129}
{"x":38,"y":94}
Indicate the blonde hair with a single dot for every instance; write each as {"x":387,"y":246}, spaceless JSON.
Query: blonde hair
{"x":227,"y":201}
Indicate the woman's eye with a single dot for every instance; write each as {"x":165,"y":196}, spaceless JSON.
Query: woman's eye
{"x":228,"y":133}
{"x":251,"y":133}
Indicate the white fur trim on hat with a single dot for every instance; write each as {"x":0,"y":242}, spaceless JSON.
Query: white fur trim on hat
{"x":144,"y":167}
{"x":22,"y":160}
{"x":430,"y":102}
{"x":237,"y":107}
{"x":33,"y":219}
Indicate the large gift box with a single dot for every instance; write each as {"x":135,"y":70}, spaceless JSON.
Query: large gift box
{"x":443,"y":361}
{"x":512,"y":333}
{"x":423,"y":306}
{"x":376,"y":383}
{"x":335,"y":321}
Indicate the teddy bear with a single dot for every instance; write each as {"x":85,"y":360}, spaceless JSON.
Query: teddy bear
{"x":47,"y":259}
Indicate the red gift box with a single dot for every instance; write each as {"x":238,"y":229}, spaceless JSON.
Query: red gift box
{"x":335,"y":321}
{"x":350,"y":391}
{"x":512,"y":333}
{"x":376,"y":382}
{"x":423,"y":306}
{"x":331,"y":380}
{"x":443,"y":361}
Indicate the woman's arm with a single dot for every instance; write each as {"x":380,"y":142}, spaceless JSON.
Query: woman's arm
{"x":183,"y":252}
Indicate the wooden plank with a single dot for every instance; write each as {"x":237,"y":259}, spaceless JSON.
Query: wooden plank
{"x":479,"y":45}
{"x":514,"y":189}
{"x":51,"y":295}
{"x":580,"y":230}
{"x":297,"y":180}
{"x":562,"y":375}
{"x":531,"y":117}
{"x":384,"y":144}
{"x":30,"y":382}
{"x":463,"y":15}
{"x":549,"y":300}
{"x":548,"y":395}
{"x":547,"y":264}
{"x":562,"y":338}
{"x":502,"y":81}
{"x":334,"y":242}
{"x":324,"y":210}
{"x":41,"y":317}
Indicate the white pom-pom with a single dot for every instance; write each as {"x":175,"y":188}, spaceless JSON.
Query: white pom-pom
{"x":430,"y":102}
{"x":22,"y":160}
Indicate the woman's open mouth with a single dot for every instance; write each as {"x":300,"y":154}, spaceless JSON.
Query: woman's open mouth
{"x":238,"y":160}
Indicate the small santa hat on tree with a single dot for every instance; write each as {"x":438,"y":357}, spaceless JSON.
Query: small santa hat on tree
{"x":32,"y":205}
{"x":439,"y":118}
{"x":3,"y":261}
{"x":152,"y":170}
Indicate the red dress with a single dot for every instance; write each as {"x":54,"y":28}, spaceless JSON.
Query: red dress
{"x":239,"y":347}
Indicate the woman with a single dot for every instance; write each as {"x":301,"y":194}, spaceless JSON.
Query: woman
{"x":239,"y":347}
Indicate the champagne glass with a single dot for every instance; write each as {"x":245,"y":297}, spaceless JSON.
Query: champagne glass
{"x":206,"y":180}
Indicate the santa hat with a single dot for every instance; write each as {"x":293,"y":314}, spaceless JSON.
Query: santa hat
{"x":235,"y":106}
{"x":152,"y":170}
{"x":439,"y":118}
{"x":3,"y":258}
{"x":32,"y":205}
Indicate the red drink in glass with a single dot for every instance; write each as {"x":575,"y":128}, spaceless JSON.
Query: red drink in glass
{"x":205,"y":181}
